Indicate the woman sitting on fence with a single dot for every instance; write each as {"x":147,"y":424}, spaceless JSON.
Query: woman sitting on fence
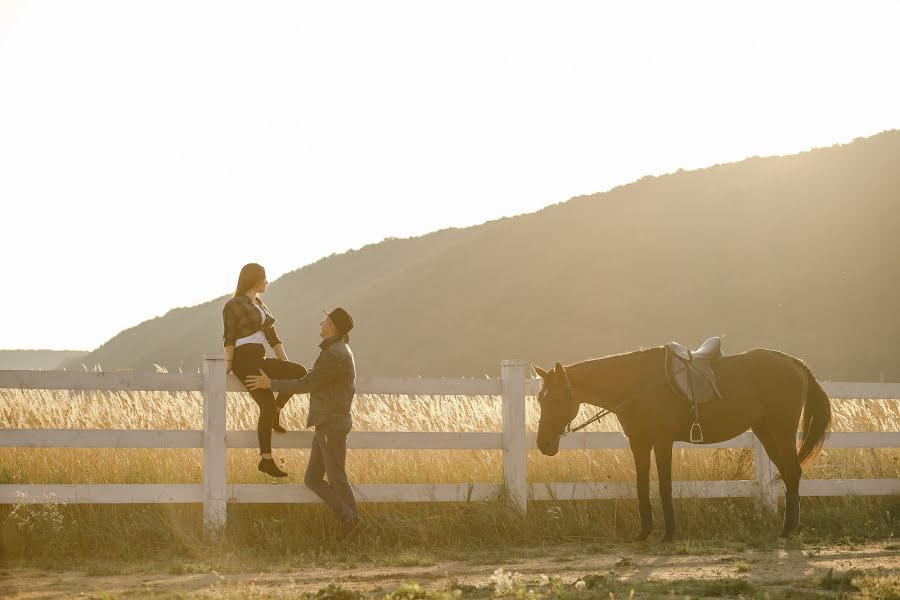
{"x":248,"y":325}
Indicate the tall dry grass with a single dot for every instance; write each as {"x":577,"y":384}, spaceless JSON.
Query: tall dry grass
{"x":77,"y":531}
{"x":183,"y":410}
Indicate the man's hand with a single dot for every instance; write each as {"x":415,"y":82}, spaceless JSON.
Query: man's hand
{"x":258,"y":382}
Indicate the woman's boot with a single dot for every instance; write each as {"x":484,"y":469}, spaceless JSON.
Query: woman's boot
{"x":268,"y":466}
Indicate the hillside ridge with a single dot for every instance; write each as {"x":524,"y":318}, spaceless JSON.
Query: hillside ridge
{"x":792,"y":252}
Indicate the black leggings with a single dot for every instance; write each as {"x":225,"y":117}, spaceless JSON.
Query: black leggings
{"x":249,"y":359}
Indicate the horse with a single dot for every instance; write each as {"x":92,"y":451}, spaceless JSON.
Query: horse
{"x":763,"y":390}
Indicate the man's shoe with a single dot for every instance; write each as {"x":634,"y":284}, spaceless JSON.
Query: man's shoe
{"x":276,"y":423}
{"x":350,"y":527}
{"x":268,"y":466}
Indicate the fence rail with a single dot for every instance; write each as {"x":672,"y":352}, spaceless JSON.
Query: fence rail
{"x":514,"y":441}
{"x":425,"y":386}
{"x":381,"y":440}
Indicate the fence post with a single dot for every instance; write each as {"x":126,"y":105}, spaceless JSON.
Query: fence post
{"x":215,"y":499}
{"x":763,"y":474}
{"x":514,"y":373}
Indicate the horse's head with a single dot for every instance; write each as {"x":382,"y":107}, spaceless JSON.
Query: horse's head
{"x":558,"y":408}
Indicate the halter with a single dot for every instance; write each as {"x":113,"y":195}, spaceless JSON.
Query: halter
{"x":570,"y":396}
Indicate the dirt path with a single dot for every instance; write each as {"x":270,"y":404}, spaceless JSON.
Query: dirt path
{"x":763,"y":570}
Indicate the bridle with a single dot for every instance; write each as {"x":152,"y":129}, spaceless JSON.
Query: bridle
{"x":570,"y":397}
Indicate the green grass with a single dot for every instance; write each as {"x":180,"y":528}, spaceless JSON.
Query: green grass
{"x":264,"y":536}
{"x":742,"y":566}
{"x":840,"y":582}
{"x":411,"y":557}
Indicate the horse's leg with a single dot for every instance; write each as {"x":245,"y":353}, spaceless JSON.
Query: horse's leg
{"x":641,"y":451}
{"x":789,"y":466}
{"x":663,"y":451}
{"x":784,"y":457}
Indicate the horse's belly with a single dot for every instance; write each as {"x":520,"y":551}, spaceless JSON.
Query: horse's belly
{"x":722,"y":420}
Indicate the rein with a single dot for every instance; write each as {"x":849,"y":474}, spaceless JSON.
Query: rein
{"x":570,"y":396}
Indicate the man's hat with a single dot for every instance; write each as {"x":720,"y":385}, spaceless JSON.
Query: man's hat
{"x":341,"y":319}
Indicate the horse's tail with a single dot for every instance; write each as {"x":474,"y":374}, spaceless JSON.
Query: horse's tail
{"x":816,"y":418}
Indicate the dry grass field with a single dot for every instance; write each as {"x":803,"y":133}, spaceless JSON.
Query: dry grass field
{"x":182,"y":410}
{"x":105,"y":543}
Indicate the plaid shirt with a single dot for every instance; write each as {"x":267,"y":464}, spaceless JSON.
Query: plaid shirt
{"x":242,"y":318}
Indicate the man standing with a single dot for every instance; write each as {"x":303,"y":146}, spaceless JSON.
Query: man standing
{"x":331,"y":384}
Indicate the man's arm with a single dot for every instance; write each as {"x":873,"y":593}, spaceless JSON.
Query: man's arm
{"x":327,"y":369}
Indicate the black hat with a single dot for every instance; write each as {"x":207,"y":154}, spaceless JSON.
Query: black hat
{"x":341,"y":319}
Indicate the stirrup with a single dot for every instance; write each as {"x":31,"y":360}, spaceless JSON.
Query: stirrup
{"x":698,"y":438}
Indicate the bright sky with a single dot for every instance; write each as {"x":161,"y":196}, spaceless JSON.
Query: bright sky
{"x":149,"y":149}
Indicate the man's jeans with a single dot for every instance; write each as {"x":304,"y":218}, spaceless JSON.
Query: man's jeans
{"x":328,"y":457}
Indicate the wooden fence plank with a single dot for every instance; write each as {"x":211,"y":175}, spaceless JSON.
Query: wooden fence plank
{"x":215,"y":450}
{"x":849,"y":487}
{"x":99,"y":438}
{"x":586,"y":440}
{"x":515,"y":443}
{"x":446,"y":492}
{"x":388,"y":440}
{"x":680,"y":489}
{"x":582,"y":491}
{"x":368,"y":492}
{"x":839,"y":390}
{"x":191,"y":382}
{"x":766,"y":488}
{"x":412,"y":386}
{"x":101,"y":493}
{"x":399,"y":440}
{"x":863,"y":439}
{"x":111,"y":381}
{"x":430,"y":386}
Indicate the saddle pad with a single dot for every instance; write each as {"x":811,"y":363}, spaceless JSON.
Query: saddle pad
{"x":693,"y":380}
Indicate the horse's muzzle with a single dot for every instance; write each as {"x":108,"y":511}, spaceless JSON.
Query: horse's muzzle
{"x":548,"y":449}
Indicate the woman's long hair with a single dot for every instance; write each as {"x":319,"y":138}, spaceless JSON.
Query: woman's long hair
{"x":251,"y":274}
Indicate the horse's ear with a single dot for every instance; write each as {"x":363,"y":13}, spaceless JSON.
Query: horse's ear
{"x":559,"y":370}
{"x":541,"y":373}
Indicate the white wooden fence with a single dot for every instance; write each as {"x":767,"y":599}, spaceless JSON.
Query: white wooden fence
{"x":514,"y":385}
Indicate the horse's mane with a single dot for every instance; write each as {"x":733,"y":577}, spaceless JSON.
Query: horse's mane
{"x":593,"y":364}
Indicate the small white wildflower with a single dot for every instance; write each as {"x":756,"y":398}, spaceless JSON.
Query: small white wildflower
{"x":502,"y":580}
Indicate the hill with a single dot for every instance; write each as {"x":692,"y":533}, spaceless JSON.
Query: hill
{"x":797,"y":253}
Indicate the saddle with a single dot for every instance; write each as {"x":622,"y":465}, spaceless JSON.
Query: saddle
{"x":691,"y":376}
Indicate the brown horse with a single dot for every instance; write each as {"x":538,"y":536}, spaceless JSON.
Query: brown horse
{"x":763,"y":390}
